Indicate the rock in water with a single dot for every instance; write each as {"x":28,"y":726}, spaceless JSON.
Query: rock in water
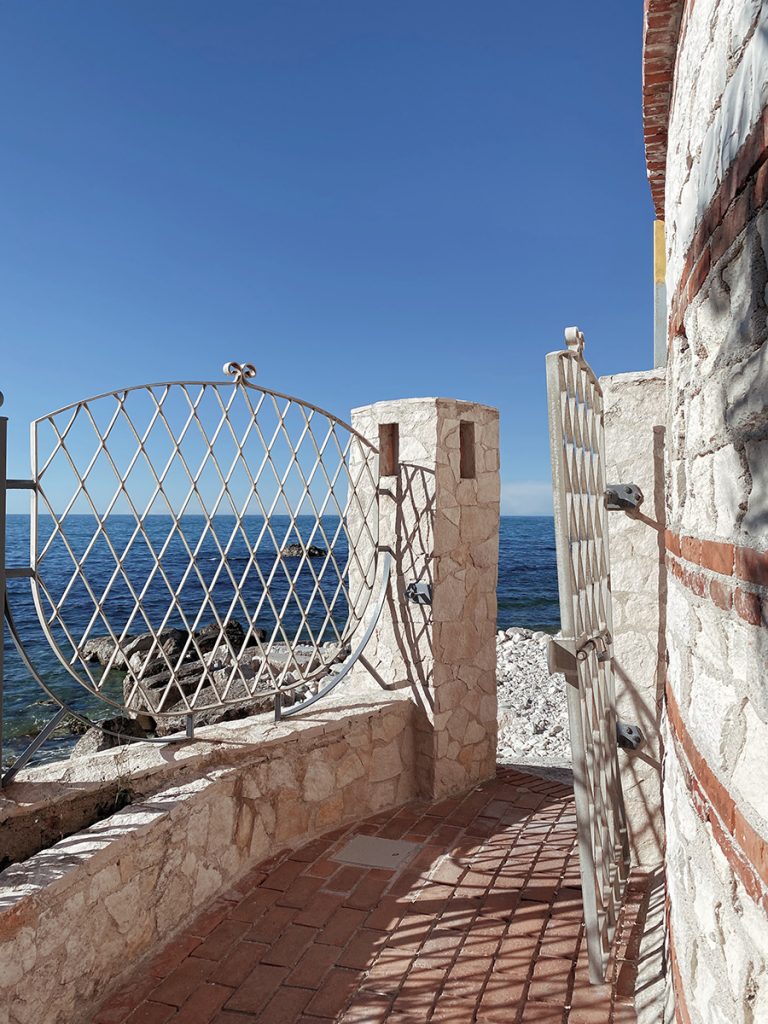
{"x":297,"y":550}
{"x":209,"y":637}
{"x":187,"y":678}
{"x":101,"y":648}
{"x":156,"y":674}
{"x":170,"y":641}
{"x":94,"y":739}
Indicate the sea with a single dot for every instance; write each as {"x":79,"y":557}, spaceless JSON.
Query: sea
{"x":527,"y":596}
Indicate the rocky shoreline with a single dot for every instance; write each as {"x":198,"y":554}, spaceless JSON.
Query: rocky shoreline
{"x":195,"y":668}
{"x":533,"y":712}
{"x":533,"y":708}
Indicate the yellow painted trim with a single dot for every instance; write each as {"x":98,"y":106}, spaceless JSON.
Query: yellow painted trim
{"x":659,"y":253}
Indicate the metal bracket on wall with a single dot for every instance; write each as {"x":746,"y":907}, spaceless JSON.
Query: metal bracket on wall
{"x":629,"y":737}
{"x":419,"y":592}
{"x":623,"y":497}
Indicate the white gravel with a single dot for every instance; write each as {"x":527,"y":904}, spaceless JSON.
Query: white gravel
{"x":533,"y":711}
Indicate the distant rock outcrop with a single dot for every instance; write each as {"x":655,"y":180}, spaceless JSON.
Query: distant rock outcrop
{"x":297,"y":550}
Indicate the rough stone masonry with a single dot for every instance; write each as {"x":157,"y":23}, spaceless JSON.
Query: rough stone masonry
{"x":439,"y":493}
{"x":711,"y":169}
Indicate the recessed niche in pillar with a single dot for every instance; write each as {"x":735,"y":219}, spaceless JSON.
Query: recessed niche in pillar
{"x":467,"y":450}
{"x":389,"y":449}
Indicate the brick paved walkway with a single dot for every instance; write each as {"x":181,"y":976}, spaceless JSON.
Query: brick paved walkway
{"x":483,"y":923}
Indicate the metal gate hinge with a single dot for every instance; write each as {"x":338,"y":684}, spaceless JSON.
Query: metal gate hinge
{"x":622,"y":497}
{"x":419,"y":592}
{"x":563,"y":651}
{"x":629,"y":737}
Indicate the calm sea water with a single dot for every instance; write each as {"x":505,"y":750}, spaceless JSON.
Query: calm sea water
{"x":527,"y":591}
{"x":527,"y":596}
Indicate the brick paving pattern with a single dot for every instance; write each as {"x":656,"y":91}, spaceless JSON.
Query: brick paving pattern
{"x":484,"y":923}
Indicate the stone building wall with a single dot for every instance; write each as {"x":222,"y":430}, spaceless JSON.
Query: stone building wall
{"x":635,"y":408}
{"x":716,"y":767}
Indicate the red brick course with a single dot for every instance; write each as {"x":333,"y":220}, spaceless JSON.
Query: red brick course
{"x":745,"y":850}
{"x":750,"y":606}
{"x":660,"y":35}
{"x":733,"y":562}
{"x":721,"y":594}
{"x":742,"y":193}
{"x":752,"y":566}
{"x":483,"y":924}
{"x":682,"y":1016}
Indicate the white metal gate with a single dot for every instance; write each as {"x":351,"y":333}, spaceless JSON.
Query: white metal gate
{"x":199,"y":545}
{"x":584,"y":652}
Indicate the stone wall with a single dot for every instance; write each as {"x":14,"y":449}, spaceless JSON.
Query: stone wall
{"x":719,"y":94}
{"x":439,"y":515}
{"x":635,"y":407}
{"x":716,"y":774}
{"x":76,"y":918}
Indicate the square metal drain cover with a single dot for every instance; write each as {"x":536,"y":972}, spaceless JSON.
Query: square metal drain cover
{"x":374,"y":852}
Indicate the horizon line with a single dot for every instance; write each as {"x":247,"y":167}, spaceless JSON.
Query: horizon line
{"x":249,"y":515}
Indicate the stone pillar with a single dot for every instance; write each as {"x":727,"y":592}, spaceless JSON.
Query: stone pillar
{"x":439,"y":515}
{"x":634,"y":444}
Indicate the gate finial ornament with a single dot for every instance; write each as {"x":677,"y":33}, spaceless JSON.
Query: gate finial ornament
{"x":239,"y":371}
{"x":574,"y":340}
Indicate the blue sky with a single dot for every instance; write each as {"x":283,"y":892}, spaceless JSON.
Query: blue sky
{"x":367,"y":200}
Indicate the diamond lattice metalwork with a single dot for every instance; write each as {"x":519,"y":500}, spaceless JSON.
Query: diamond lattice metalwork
{"x":581,"y":529}
{"x":200,"y":544}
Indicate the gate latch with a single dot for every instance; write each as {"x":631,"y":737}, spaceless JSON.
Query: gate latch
{"x":419,"y":592}
{"x":562,"y":651}
{"x":622,"y":497}
{"x":629,"y":737}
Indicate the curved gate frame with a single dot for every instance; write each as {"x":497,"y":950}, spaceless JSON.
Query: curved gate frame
{"x":584,"y":652}
{"x":241,"y":373}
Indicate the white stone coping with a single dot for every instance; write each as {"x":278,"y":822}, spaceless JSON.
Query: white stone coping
{"x":408,"y":402}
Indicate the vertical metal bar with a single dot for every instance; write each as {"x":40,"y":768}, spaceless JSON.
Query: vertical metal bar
{"x":278,"y":706}
{"x":33,"y":504}
{"x":3,"y":492}
{"x":190,"y":727}
{"x":25,"y":756}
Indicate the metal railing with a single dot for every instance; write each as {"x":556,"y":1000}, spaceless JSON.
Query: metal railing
{"x":200,"y":545}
